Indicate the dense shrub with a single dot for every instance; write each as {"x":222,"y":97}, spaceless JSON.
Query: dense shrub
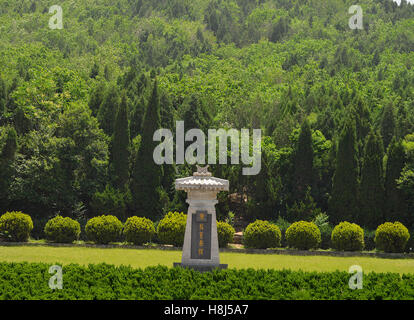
{"x":103,"y":229}
{"x":171,"y":228}
{"x":303,"y":235}
{"x":261,"y":235}
{"x":348,"y":237}
{"x":139,"y":230}
{"x":391,"y":237}
{"x":225,"y":233}
{"x":23,"y":281}
{"x":63,"y":230}
{"x":15,"y":226}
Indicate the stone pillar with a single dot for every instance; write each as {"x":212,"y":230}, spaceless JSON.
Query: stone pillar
{"x":201,"y":249}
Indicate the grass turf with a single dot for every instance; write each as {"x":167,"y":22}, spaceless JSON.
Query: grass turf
{"x":141,"y":258}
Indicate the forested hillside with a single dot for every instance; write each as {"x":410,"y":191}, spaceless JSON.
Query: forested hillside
{"x":79,"y":105}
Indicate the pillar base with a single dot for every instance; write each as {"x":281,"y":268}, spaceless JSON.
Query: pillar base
{"x":201,"y":267}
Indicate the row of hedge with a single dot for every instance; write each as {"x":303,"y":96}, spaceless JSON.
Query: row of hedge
{"x":16,"y":226}
{"x":304,"y":235}
{"x":389,"y":237}
{"x":20,"y":281}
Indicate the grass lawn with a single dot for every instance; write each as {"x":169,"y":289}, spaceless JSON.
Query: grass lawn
{"x":150,"y":257}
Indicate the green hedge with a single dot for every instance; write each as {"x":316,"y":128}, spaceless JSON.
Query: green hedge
{"x":139,"y":230}
{"x":261,"y":235}
{"x":15,"y":226}
{"x":348,"y":236}
{"x":171,"y":228}
{"x":62,"y":230}
{"x":20,"y":281}
{"x":303,"y":235}
{"x":103,"y":229}
{"x":225,"y":233}
{"x":391,"y":237}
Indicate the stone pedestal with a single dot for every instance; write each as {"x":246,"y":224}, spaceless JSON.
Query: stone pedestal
{"x":201,"y":250}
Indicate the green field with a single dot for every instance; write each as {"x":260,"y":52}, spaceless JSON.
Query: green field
{"x":141,"y":258}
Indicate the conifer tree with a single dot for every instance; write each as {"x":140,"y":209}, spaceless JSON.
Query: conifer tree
{"x":404,"y":120}
{"x":121,"y":145}
{"x":394,"y":202}
{"x":146,"y":176}
{"x":372,"y":185}
{"x":7,"y":156}
{"x":360,"y":113}
{"x":166,"y":112}
{"x":3,"y":100}
{"x":387,"y":125}
{"x":97,"y":97}
{"x":343,"y":204}
{"x":108,"y":109}
{"x":10,"y":147}
{"x":136,"y":117}
{"x":303,"y":161}
{"x":167,"y":122}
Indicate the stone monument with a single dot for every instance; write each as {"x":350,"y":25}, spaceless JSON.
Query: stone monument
{"x":201,"y":250}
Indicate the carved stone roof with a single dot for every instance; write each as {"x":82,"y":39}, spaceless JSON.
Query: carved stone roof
{"x":202,"y":180}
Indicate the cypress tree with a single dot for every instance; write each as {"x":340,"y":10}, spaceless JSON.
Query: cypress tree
{"x":136,"y":117}
{"x":343,"y":204}
{"x":10,"y":147}
{"x":166,"y":112}
{"x":303,"y":161}
{"x":121,"y":144}
{"x":372,"y":184}
{"x":108,"y":109}
{"x":146,"y":175}
{"x":395,"y":205}
{"x":167,"y":121}
{"x":11,"y":104}
{"x":387,"y":125}
{"x":97,"y":97}
{"x":404,"y":121}
{"x":7,"y":156}
{"x":360,"y":113}
{"x":3,"y":99}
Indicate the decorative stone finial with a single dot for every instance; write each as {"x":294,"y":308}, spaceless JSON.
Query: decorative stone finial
{"x":202,"y":171}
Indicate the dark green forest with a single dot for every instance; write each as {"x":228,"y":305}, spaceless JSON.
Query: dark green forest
{"x":79,"y":106}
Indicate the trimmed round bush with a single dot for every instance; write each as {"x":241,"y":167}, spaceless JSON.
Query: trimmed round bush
{"x":261,"y":235}
{"x":347,"y":236}
{"x":303,"y":235}
{"x":62,"y":230}
{"x":15,"y":226}
{"x":225,"y":233}
{"x":139,"y":230}
{"x":391,"y":237}
{"x":171,"y":228}
{"x":103,"y":229}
